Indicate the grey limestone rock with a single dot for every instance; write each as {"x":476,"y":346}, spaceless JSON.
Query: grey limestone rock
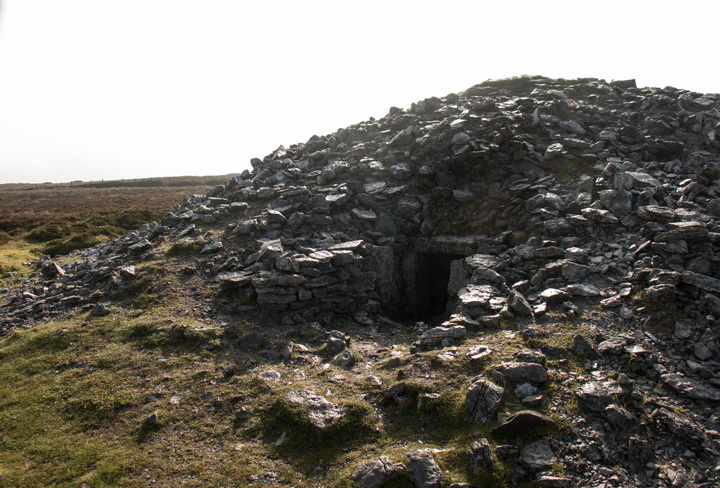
{"x":321,"y":412}
{"x":614,"y":345}
{"x":100,"y":310}
{"x":574,"y":272}
{"x":531,"y":356}
{"x":703,"y":282}
{"x":522,"y":421}
{"x":212,"y":247}
{"x":620,"y":417}
{"x":545,"y":480}
{"x":152,"y":420}
{"x":600,"y":216}
{"x":276,"y":217}
{"x":482,"y":400}
{"x":691,"y":388}
{"x":524,"y":390}
{"x":375,"y":473}
{"x":438,"y":334}
{"x":619,"y":202}
{"x":538,"y":455}
{"x":516,"y":371}
{"x":596,"y":395}
{"x":480,"y":457}
{"x":140,"y":247}
{"x":681,"y":425}
{"x":51,"y":270}
{"x":426,"y":472}
{"x":250,"y":341}
{"x":127,"y":272}
{"x":519,"y":304}
{"x":344,"y":360}
{"x":484,"y":296}
{"x":581,"y":346}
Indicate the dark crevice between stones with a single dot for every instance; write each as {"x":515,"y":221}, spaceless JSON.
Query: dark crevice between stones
{"x":425,"y":278}
{"x":433,"y":274}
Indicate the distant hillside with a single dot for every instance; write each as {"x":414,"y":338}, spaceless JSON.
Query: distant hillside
{"x":164,"y":181}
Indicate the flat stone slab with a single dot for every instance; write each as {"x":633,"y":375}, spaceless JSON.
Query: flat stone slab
{"x":656,"y":213}
{"x":267,"y":279}
{"x":438,"y":334}
{"x":478,"y":352}
{"x":364,"y":214}
{"x":614,"y":345}
{"x":691,"y":388}
{"x":485,"y":296}
{"x":463,"y":246}
{"x":703,"y":282}
{"x":531,"y":372}
{"x":643,"y":180}
{"x":233,"y":279}
{"x":538,"y":455}
{"x":346,"y":246}
{"x":522,"y":421}
{"x":600,"y":216}
{"x":596,"y":395}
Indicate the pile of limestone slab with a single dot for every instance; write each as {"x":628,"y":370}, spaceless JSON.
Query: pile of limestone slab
{"x":532,"y":192}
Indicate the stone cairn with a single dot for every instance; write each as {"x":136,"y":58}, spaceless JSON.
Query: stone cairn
{"x":527,"y":193}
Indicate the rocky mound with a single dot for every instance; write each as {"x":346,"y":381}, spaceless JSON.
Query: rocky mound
{"x":518,"y":203}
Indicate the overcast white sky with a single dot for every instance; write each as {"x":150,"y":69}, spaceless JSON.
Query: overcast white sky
{"x":109,"y":89}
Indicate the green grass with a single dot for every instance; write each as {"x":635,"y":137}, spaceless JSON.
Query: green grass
{"x":57,"y":247}
{"x":45,"y":405}
{"x":305,"y":444}
{"x":74,"y":394}
{"x":14,"y":254}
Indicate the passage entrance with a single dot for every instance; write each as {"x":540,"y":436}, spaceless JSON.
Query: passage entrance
{"x":426,"y":277}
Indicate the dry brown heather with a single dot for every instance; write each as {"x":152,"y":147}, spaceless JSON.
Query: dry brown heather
{"x":54,"y":219}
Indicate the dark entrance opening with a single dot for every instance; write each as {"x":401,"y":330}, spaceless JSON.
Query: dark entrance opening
{"x":427,"y":283}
